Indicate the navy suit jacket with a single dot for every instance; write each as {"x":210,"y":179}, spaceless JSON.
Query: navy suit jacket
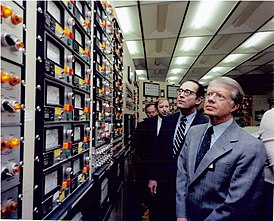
{"x":162,"y":148}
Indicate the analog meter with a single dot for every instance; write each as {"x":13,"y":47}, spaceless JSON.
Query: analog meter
{"x":53,"y":52}
{"x":79,"y":6}
{"x":78,"y":69}
{"x":52,"y":139}
{"x":78,"y":37}
{"x":76,"y":166}
{"x":51,"y":182}
{"x":78,"y":101}
{"x":53,"y":95}
{"x":77,"y":133}
{"x":54,"y":10}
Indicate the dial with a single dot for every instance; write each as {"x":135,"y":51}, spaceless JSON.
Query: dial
{"x":78,"y":101}
{"x":52,"y":139}
{"x":53,"y":95}
{"x":53,"y":52}
{"x":51,"y":182}
{"x":54,"y":11}
{"x":78,"y":69}
{"x":77,"y":133}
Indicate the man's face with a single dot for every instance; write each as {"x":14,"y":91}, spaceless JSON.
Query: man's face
{"x":218,"y":102}
{"x":151,"y":111}
{"x":163,"y":108}
{"x":190,"y":101}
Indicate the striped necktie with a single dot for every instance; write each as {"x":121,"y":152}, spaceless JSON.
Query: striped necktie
{"x":204,"y":146}
{"x":179,"y":139}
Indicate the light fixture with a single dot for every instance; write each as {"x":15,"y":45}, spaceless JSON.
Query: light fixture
{"x":232,"y":57}
{"x":182,"y":60}
{"x":141,"y":72}
{"x":205,"y":13}
{"x":190,"y":43}
{"x":256,"y":38}
{"x":132,"y":47}
{"x":124,"y":16}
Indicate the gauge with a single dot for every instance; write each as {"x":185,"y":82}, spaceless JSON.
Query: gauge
{"x":53,"y":95}
{"x":52,"y":139}
{"x":54,"y":11}
{"x":78,"y":101}
{"x":78,"y":69}
{"x":79,"y":6}
{"x":76,"y":166}
{"x":77,"y":133}
{"x":53,"y":52}
{"x":78,"y":37}
{"x":51,"y":182}
{"x":98,"y":83}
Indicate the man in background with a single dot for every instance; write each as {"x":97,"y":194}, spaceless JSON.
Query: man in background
{"x":162,"y":183}
{"x":266,"y":133}
{"x":220,"y":168}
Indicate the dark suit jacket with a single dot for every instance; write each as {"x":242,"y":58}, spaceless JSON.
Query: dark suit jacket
{"x":165,"y":167}
{"x":162,"y":153}
{"x":227,"y":183}
{"x":146,"y":132}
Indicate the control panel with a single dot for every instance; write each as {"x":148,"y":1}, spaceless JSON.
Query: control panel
{"x":63,"y":103}
{"x":12,"y":107}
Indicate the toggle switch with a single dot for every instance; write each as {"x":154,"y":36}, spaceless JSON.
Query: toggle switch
{"x":11,"y":106}
{"x":18,"y":46}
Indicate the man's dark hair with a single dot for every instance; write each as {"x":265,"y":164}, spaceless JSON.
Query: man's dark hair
{"x":148,"y":105}
{"x":201,"y":90}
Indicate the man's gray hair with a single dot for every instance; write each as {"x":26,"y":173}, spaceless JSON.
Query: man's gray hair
{"x":237,"y":93}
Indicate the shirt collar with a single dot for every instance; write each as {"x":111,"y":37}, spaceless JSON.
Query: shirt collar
{"x":188,"y":117}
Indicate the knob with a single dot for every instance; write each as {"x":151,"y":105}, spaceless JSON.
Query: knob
{"x":71,"y":21}
{"x":6,"y":11}
{"x":70,"y":95}
{"x":16,"y":19}
{"x":12,"y":206}
{"x":5,"y":173}
{"x":69,"y":171}
{"x":14,"y":80}
{"x":5,"y":77}
{"x":70,"y":58}
{"x":69,"y":133}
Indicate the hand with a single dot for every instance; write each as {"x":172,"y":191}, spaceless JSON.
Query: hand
{"x":152,"y":185}
{"x":182,"y":219}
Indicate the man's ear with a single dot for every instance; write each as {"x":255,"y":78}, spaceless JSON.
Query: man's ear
{"x":199,"y":100}
{"x":235,"y":107}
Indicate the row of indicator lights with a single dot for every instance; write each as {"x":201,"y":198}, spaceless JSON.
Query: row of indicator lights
{"x":7,"y":12}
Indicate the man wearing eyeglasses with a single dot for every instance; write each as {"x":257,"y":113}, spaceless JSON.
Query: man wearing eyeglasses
{"x":162,"y":182}
{"x":220,"y":168}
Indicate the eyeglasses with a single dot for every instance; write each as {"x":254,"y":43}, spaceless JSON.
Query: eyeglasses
{"x":186,"y":92}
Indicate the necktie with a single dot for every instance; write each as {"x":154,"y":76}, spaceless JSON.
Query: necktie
{"x":179,"y":136}
{"x":204,"y":146}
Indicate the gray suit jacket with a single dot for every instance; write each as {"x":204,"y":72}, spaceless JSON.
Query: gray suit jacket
{"x":227,"y":184}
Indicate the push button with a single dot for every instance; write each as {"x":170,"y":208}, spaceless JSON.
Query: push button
{"x":16,"y":19}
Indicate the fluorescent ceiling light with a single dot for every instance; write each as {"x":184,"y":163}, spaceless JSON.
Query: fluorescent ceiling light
{"x":205,"y":13}
{"x":124,"y":16}
{"x":232,"y":57}
{"x":173,"y":78}
{"x":190,"y":43}
{"x":182,"y":60}
{"x":176,"y":71}
{"x":141,"y":72}
{"x":132,"y":47}
{"x":256,"y":39}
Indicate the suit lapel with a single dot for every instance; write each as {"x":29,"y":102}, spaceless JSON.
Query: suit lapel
{"x":221,"y":147}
